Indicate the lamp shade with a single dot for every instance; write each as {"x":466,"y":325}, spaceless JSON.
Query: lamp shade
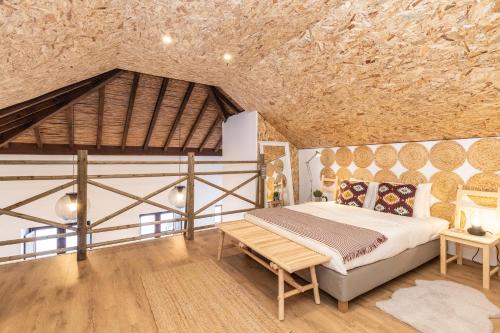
{"x":177,"y":196}
{"x":66,"y":207}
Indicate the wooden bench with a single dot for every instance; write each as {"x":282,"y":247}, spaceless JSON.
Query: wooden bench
{"x":284,"y":255}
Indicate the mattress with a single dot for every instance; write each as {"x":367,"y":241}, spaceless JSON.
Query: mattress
{"x":402,"y":232}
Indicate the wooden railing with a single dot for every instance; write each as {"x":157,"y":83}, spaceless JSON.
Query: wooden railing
{"x":82,"y":179}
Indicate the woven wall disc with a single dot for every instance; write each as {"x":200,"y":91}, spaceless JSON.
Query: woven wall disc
{"x":327,"y":172}
{"x":484,"y":181}
{"x":327,"y":157}
{"x":386,"y":175}
{"x":445,"y":185}
{"x":363,"y":156}
{"x":412,"y":177}
{"x":413,"y":156}
{"x":386,"y":156}
{"x":484,"y":154}
{"x":446,"y":211}
{"x":278,"y":166}
{"x":269,"y":169}
{"x":343,"y":156}
{"x":447,"y":155}
{"x":343,"y":173}
{"x":363,"y":174}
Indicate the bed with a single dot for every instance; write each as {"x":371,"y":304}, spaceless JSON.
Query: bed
{"x":410,"y":242}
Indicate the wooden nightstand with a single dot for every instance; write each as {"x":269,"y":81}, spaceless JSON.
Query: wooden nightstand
{"x":463,"y":238}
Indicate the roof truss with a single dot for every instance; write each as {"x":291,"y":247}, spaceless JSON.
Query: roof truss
{"x":194,"y":113}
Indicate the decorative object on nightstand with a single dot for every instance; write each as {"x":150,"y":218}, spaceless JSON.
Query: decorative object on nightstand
{"x":475,"y":236}
{"x":317,"y":196}
{"x":476,"y":229}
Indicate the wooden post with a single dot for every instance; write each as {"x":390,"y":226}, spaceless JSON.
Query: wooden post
{"x":81,"y":252}
{"x":190,"y":198}
{"x":262,"y":177}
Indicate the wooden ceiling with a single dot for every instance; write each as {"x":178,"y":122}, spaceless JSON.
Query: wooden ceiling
{"x":324,"y":73}
{"x":119,"y":112}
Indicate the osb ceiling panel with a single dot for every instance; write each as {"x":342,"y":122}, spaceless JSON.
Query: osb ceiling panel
{"x":324,"y":73}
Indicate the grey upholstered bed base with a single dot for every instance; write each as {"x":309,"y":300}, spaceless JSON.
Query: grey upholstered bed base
{"x":365,"y":278}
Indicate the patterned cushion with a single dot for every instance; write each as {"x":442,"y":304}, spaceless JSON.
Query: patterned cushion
{"x":397,"y":199}
{"x":352,"y":193}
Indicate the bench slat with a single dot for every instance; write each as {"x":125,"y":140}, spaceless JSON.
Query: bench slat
{"x":283,"y":252}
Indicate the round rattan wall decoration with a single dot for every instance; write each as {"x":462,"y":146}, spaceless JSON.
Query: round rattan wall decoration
{"x":446,"y":211}
{"x":386,"y":156}
{"x":363,"y":174}
{"x":278,"y":166}
{"x":445,"y":185}
{"x":327,"y":172}
{"x":386,"y":175}
{"x":327,"y":157}
{"x":412,"y":177}
{"x":484,"y":154}
{"x":447,"y":155}
{"x":344,"y":156}
{"x":269,"y":169}
{"x":343,"y":173}
{"x":363,"y":156}
{"x":484,"y":181}
{"x":413,"y":156}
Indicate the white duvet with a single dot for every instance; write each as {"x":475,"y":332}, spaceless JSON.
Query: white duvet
{"x":402,"y":232}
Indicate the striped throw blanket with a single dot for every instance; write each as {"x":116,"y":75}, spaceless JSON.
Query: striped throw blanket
{"x":350,"y":241}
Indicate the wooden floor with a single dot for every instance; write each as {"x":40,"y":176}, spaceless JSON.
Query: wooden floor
{"x":105,"y":293}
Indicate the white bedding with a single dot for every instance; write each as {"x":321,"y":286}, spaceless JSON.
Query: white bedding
{"x":402,"y":232}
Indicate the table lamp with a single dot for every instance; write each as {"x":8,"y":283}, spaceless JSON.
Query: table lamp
{"x":476,"y":229}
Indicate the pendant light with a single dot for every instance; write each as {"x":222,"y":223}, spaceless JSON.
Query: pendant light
{"x":177,"y":195}
{"x":66,"y":206}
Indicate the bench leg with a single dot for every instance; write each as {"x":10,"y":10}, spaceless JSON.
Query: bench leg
{"x":281,"y":295}
{"x":314,"y":281}
{"x":343,"y":306}
{"x":221,"y":244}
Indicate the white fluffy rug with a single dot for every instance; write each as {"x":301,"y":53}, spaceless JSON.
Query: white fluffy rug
{"x":442,"y":306}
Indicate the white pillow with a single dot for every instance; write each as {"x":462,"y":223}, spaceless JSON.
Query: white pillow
{"x":422,"y":208}
{"x":371,"y":194}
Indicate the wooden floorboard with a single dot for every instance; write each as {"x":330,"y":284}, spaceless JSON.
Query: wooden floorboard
{"x":105,"y":293}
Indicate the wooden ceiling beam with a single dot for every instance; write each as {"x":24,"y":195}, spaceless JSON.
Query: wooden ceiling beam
{"x":196,"y":123}
{"x":223,"y":97}
{"x":220,"y":109}
{"x":130,"y":108}
{"x":156,"y":112}
{"x":64,"y":149}
{"x":45,"y":97}
{"x":100,"y":116}
{"x":178,"y":117}
{"x":209,"y":133}
{"x":69,"y":121}
{"x":38,"y":136}
{"x":14,"y":129}
{"x":218,"y":146}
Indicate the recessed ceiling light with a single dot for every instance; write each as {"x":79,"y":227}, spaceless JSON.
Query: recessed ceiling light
{"x":167,"y":39}
{"x":227,"y":57}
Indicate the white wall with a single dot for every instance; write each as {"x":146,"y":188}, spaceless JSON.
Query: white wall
{"x":239,"y":143}
{"x":465,"y":172}
{"x":102,"y":202}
